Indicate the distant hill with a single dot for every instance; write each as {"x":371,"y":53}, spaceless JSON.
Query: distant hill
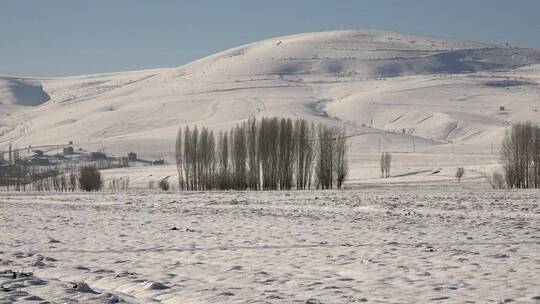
{"x":434,"y":90}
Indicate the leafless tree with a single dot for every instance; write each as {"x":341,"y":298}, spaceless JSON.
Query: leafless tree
{"x":179,"y":160}
{"x":459,"y":173}
{"x":305,"y":153}
{"x":206,"y":160}
{"x":340,"y":163}
{"x":324,"y":169}
{"x":268,"y":152}
{"x":191,"y":139}
{"x":239,"y":157}
{"x":187,"y":159}
{"x":253,"y":178}
{"x":287,"y":149}
{"x":386,"y":161}
{"x":223,"y":181}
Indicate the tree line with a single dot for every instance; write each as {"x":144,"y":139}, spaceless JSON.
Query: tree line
{"x":521,"y":156}
{"x":23,"y":178}
{"x":266,"y":154}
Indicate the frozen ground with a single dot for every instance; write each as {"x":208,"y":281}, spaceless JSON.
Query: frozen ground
{"x":452,"y":245}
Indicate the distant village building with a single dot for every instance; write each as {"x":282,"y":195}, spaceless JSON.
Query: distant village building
{"x":132,"y":156}
{"x":68,"y":150}
{"x":38,"y":153}
{"x":39,"y":161}
{"x":97,"y":156}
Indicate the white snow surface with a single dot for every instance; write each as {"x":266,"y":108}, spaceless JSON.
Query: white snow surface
{"x":432,"y":90}
{"x":395,"y":245}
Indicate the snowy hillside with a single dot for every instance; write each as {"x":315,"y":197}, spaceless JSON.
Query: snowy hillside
{"x":429,"y":91}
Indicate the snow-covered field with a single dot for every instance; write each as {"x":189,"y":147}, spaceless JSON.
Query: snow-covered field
{"x":458,"y":244}
{"x":416,"y":237}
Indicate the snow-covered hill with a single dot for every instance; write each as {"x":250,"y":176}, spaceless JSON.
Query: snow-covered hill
{"x":428,"y":91}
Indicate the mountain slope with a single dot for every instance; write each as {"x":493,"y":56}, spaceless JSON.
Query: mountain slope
{"x":23,"y":92}
{"x":431,"y":89}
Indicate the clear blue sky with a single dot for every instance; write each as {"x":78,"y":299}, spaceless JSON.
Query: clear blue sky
{"x":70,"y":37}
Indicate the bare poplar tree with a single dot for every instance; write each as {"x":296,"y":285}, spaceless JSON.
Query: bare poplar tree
{"x":535,"y":157}
{"x":253,"y":179}
{"x":304,"y":152}
{"x":194,"y":157}
{"x":340,"y":163}
{"x":187,"y":159}
{"x":269,"y":143}
{"x":386,"y":161}
{"x":223,"y":162}
{"x":206,"y":159}
{"x":324,"y":168}
{"x":459,"y":173}
{"x":286,"y":154}
{"x":179,"y":159}
{"x":239,"y":157}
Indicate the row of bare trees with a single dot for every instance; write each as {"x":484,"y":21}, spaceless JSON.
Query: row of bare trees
{"x":27,"y":178}
{"x":267,"y":154}
{"x":119,"y":183}
{"x":521,"y":156}
{"x":59,"y":183}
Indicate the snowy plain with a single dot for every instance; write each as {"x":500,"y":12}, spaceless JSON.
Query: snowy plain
{"x":455,"y":244}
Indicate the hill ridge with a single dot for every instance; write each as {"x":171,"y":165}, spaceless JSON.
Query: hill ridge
{"x":438,"y":90}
